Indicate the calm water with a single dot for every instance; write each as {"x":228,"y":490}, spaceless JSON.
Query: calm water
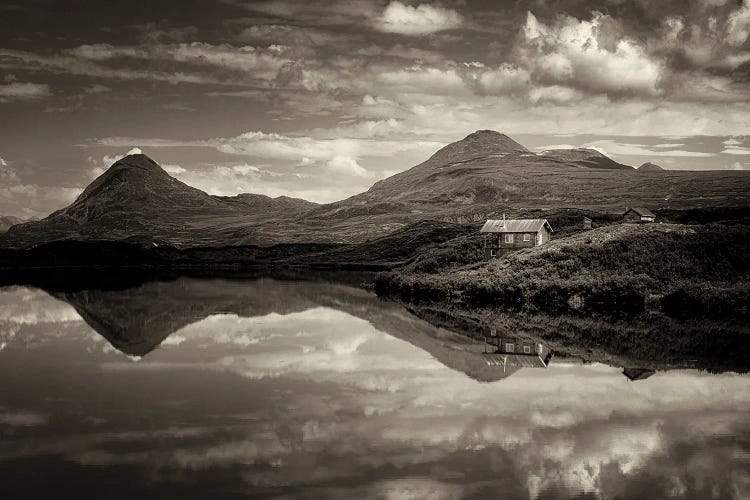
{"x":195,"y":389}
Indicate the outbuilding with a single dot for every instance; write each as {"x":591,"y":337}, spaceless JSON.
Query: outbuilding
{"x":639,"y":214}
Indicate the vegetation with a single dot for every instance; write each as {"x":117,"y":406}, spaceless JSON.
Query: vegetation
{"x":610,"y":270}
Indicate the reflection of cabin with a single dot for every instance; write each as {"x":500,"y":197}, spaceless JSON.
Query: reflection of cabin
{"x":514,"y":233}
{"x":512,"y":351}
{"x":639,"y":214}
{"x":634,"y":374}
{"x":586,"y":223}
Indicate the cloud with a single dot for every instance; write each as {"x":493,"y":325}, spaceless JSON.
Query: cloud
{"x":587,"y":55}
{"x":504,"y":80}
{"x":18,"y":197}
{"x":17,"y":91}
{"x":609,"y":146}
{"x":347,"y":166}
{"x":731,"y":142}
{"x":738,"y":166}
{"x":738,"y":25}
{"x":420,"y":20}
{"x":423,"y":80}
{"x":23,"y":419}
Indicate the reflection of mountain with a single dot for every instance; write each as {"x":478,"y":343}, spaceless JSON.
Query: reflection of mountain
{"x":136,"y":320}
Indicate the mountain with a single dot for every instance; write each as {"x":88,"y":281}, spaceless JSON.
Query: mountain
{"x":138,"y":201}
{"x":650,"y":167}
{"x":482,"y":175}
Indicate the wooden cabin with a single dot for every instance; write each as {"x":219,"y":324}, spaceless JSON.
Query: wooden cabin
{"x":518,"y":352}
{"x":514,"y":233}
{"x":639,"y":214}
{"x":586,"y":223}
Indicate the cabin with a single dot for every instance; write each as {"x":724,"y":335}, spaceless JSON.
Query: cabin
{"x":586,"y":223}
{"x":517,"y":352}
{"x":638,"y":214}
{"x":514,"y":233}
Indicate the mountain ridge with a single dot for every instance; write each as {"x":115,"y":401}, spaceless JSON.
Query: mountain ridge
{"x":484,"y":173}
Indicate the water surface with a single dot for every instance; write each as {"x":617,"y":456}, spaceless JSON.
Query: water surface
{"x":264,"y":388}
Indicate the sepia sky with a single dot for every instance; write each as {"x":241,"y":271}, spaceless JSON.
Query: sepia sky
{"x":320,"y":99}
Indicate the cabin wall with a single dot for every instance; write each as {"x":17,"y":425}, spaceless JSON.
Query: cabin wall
{"x":517,"y":240}
{"x":544,"y":235}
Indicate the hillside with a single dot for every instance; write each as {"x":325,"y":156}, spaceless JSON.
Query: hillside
{"x":487,"y":173}
{"x":608,"y":270}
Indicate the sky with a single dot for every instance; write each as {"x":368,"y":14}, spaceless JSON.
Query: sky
{"x":321,"y":99}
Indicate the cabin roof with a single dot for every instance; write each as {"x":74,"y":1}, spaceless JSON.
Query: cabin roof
{"x":509,"y":360}
{"x":643,"y":212}
{"x":515,"y":225}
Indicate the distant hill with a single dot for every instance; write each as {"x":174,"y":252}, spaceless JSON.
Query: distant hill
{"x":282,"y":204}
{"x":583,"y":157}
{"x":650,"y":167}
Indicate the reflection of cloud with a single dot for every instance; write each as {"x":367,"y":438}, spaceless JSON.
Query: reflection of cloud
{"x":22,"y":418}
{"x":356,"y":403}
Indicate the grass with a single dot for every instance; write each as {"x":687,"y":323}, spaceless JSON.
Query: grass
{"x":610,"y":270}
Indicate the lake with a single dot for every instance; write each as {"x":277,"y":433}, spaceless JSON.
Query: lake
{"x":265,"y":388}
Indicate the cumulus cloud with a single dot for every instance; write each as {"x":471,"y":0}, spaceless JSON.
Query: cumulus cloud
{"x":420,"y":20}
{"x":17,"y":91}
{"x":504,"y":80}
{"x":347,"y":166}
{"x":737,"y":166}
{"x":587,"y":55}
{"x":738,"y":25}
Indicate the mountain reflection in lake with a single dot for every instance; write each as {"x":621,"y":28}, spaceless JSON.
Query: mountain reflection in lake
{"x":214,"y":388}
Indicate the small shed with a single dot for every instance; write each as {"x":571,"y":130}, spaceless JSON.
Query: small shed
{"x":514,"y":233}
{"x":639,"y":214}
{"x":586,"y":222}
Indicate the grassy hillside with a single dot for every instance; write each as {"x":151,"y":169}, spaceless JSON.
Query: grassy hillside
{"x":612,"y":269}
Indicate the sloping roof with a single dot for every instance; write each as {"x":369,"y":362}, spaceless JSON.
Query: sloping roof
{"x":515,"y":360}
{"x":514,"y":225}
{"x":643,"y":212}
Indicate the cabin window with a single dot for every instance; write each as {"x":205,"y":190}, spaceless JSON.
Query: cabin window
{"x":508,"y":238}
{"x":492,"y":253}
{"x":509,"y":347}
{"x":527,"y":349}
{"x":526,"y":237}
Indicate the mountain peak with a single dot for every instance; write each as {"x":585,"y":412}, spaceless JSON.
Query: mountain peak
{"x":650,"y":167}
{"x":481,"y":143}
{"x":138,"y":160}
